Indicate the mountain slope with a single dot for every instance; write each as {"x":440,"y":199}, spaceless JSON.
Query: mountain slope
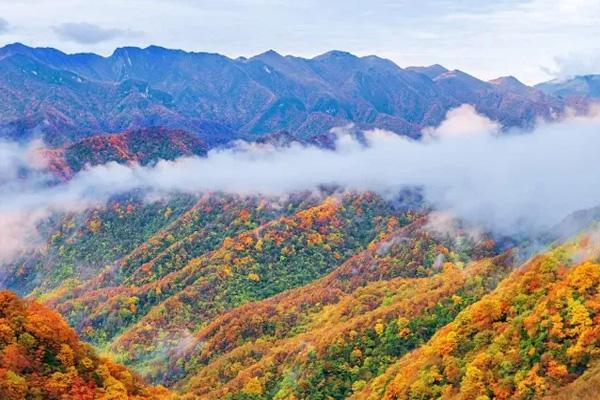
{"x":41,"y":357}
{"x":534,"y":334}
{"x":143,"y":146}
{"x":283,"y":253}
{"x":67,"y":97}
{"x":339,"y":329}
{"x":578,"y":86}
{"x":113,"y":271}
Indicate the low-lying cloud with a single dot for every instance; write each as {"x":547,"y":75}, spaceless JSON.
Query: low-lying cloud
{"x":515,"y":182}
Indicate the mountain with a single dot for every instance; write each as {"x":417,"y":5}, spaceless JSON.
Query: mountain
{"x":153,"y":282}
{"x":505,"y":99}
{"x":336,"y":295}
{"x":66,"y":97}
{"x":324,"y":294}
{"x":208,"y":278}
{"x":431,"y":71}
{"x":41,"y":357}
{"x":322,"y":334}
{"x":534,"y":336}
{"x":578,"y":86}
{"x":142,"y":145}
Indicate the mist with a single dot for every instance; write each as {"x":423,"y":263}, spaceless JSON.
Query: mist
{"x":506,"y":182}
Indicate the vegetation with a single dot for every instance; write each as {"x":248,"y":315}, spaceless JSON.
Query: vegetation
{"x":174,"y":298}
{"x":303,"y":297}
{"x":536,"y":333}
{"x":337,"y":345}
{"x":42,"y":358}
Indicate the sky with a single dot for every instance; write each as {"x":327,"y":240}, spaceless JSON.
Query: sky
{"x":534,"y":40}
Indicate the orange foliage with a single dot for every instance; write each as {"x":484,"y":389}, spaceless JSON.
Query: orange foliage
{"x":535,"y":333}
{"x":41,"y":357}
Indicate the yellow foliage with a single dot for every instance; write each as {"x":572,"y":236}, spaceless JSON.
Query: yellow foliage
{"x":579,"y":316}
{"x":253,"y":386}
{"x":13,"y":386}
{"x":379,"y":327}
{"x":94,"y":225}
{"x":227,"y":271}
{"x":66,"y":355}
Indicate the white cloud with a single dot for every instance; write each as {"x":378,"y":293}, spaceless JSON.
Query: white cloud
{"x":4,"y":25}
{"x":462,"y":121}
{"x":85,"y":33}
{"x":515,"y":183}
{"x":574,"y":64}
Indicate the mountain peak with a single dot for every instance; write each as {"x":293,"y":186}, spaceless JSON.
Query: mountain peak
{"x":431,"y":71}
{"x":20,"y":48}
{"x":508,"y":82}
{"x":155,"y":48}
{"x":336,"y":54}
{"x":580,"y":85}
{"x":269,"y":55}
{"x":125,"y":50}
{"x":460,"y":76}
{"x":16,"y":46}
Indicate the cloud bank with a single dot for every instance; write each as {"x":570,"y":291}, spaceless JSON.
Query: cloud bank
{"x":510,"y":183}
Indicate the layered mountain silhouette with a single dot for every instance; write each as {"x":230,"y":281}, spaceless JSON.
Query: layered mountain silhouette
{"x":65,"y":97}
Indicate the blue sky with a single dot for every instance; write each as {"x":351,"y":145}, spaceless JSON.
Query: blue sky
{"x":534,"y":40}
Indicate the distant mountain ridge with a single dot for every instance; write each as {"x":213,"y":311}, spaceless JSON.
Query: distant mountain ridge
{"x":580,"y":85}
{"x":64,"y":97}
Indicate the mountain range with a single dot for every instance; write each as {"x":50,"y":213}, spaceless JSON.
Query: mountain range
{"x":320,"y":294}
{"x":65,"y":97}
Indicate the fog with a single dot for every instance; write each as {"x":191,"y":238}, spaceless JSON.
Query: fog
{"x":507,"y":182}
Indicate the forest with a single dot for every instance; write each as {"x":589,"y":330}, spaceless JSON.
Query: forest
{"x":328,"y":296}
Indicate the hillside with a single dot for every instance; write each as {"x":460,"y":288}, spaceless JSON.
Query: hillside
{"x":534,"y":336}
{"x":41,"y":357}
{"x":339,"y":330}
{"x":143,"y":146}
{"x":315,"y":296}
{"x":68,"y":97}
{"x":112,"y":271}
{"x":578,"y":86}
{"x":196,"y":282}
{"x":205,"y":267}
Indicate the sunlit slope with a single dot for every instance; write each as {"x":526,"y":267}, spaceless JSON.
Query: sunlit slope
{"x":535,"y":334}
{"x":224,"y":251}
{"x":42,"y":358}
{"x":340,"y":329}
